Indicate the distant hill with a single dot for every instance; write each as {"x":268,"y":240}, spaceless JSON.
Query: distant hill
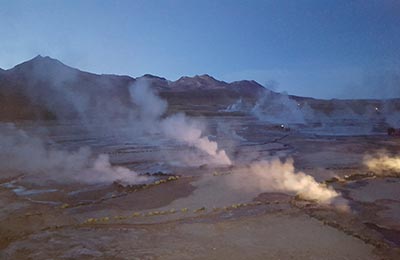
{"x":45,"y":88}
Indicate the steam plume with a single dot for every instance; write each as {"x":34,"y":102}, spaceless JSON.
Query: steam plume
{"x":23,"y":153}
{"x":278,"y":109}
{"x":177,"y":127}
{"x":276,"y":175}
{"x":382,"y":162}
{"x":181,"y":129}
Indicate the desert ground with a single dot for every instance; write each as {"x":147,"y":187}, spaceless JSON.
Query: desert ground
{"x":207,"y":211}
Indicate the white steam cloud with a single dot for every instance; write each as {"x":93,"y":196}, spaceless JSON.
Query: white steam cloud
{"x":275,"y":175}
{"x":181,"y":129}
{"x":278,"y":108}
{"x":339,"y":117}
{"x":111,"y":106}
{"x":382,"y":162}
{"x":177,"y":127}
{"x":22,"y":153}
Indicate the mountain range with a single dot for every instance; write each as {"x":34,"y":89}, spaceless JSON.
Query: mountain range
{"x":45,"y":88}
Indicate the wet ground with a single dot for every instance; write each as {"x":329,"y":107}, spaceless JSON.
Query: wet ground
{"x":191,"y":212}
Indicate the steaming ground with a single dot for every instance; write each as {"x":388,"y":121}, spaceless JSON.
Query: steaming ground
{"x":116,"y":172}
{"x":285,"y":195}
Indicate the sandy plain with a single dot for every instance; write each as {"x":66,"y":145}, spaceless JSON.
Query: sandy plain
{"x":196,"y":214}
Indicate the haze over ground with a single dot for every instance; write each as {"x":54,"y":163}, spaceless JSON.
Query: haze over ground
{"x":337,"y":49}
{"x":195,"y":159}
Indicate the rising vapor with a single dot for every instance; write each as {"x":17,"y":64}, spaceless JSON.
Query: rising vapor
{"x":382,"y":162}
{"x":276,"y":175}
{"x":30,"y":155}
{"x":177,"y":127}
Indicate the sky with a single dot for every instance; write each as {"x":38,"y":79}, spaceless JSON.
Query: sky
{"x":322,"y":49}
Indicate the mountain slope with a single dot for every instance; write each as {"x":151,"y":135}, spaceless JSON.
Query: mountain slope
{"x":45,"y":88}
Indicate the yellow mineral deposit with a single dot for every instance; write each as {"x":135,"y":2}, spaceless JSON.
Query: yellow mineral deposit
{"x":199,"y":210}
{"x":90,"y":220}
{"x":64,"y":206}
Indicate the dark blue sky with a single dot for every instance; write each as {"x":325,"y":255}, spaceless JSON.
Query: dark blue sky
{"x":328,"y":49}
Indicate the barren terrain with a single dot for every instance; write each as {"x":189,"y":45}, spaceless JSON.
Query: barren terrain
{"x":197,"y":214}
{"x":112,"y":167}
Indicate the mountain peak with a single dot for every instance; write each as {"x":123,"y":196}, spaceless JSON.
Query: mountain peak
{"x":150,"y":76}
{"x":205,"y":77}
{"x":248,"y":86}
{"x":42,"y":65}
{"x":44,"y":60}
{"x":204,"y":81}
{"x":39,"y":57}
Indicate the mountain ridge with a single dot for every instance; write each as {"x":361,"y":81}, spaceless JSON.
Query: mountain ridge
{"x":49,"y":64}
{"x":46,"y":88}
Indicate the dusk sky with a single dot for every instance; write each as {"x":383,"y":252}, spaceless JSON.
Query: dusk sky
{"x":323,"y":49}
